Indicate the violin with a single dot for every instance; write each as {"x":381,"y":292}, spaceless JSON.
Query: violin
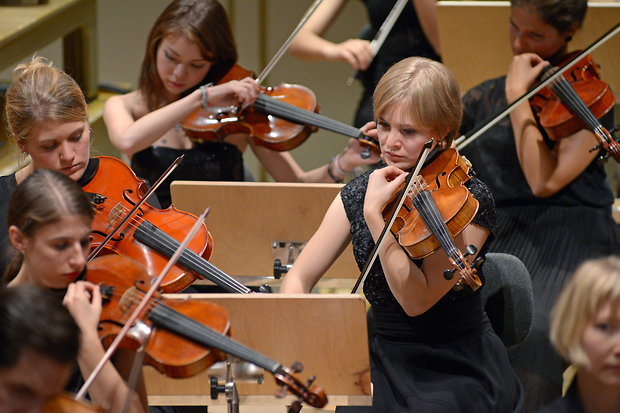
{"x":414,"y":216}
{"x":66,"y":404}
{"x":181,"y":338}
{"x":152,"y":235}
{"x":434,"y":211}
{"x":280,"y":119}
{"x":576,"y":101}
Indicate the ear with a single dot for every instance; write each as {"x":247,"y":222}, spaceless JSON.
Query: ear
{"x":19,"y":144}
{"x":570,"y":32}
{"x":18,"y":239}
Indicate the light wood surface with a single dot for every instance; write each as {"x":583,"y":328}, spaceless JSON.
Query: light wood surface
{"x":326,"y":333}
{"x":475,"y":43}
{"x":26,"y":29}
{"x":247,"y":217}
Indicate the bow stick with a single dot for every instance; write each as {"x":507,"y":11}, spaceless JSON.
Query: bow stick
{"x":464,"y":140}
{"x":381,"y":35}
{"x":287,"y":43}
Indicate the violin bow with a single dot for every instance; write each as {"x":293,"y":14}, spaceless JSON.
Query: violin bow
{"x":464,"y":140}
{"x":381,"y":35}
{"x":129,"y":214}
{"x":276,"y":58}
{"x":410,"y":181}
{"x":145,"y":300}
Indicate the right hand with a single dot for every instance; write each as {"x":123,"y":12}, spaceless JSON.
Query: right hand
{"x":234,"y":93}
{"x":355,"y":52}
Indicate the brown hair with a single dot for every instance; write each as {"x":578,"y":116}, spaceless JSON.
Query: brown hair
{"x":203,"y":22}
{"x":429,"y":92}
{"x":40,"y":92}
{"x":43,"y":198}
{"x":561,"y":14}
{"x":32,"y":318}
{"x":593,"y":284}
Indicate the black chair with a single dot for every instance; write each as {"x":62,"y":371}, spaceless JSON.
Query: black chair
{"x":507,"y":297}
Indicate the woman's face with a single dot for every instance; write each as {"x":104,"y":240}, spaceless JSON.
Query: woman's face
{"x":601,"y":343}
{"x":400,"y":139}
{"x":56,"y":254}
{"x":530,"y":34}
{"x":60,"y":146}
{"x":180,"y":65}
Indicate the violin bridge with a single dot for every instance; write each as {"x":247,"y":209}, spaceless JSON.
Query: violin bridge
{"x":128,"y":299}
{"x":115,"y":214}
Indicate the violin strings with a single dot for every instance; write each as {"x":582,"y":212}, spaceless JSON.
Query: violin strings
{"x":187,"y":327}
{"x":429,"y":212}
{"x":574,"y":102}
{"x":216,"y":275}
{"x":292,"y":113}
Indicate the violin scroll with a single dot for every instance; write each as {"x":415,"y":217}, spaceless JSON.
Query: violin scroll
{"x":469,"y":273}
{"x":313,"y":396}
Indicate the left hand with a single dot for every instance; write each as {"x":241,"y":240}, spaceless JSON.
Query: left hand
{"x":351,"y":156}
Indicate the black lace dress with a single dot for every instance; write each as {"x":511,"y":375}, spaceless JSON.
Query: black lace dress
{"x":207,"y":161}
{"x":445,"y":360}
{"x":406,"y":39}
{"x":552,"y":235}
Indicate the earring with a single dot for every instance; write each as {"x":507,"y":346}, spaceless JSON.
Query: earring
{"x":25,"y":153}
{"x":569,"y":38}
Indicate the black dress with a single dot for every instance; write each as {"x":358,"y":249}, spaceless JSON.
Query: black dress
{"x":207,"y":161}
{"x":570,"y":403}
{"x":552,"y":235}
{"x":406,"y":39}
{"x":7,"y":186}
{"x":445,"y":360}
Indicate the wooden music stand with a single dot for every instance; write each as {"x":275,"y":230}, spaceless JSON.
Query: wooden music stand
{"x":246,"y":218}
{"x":327,"y":333}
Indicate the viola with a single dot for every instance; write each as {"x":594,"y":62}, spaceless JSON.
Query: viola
{"x":280,"y":119}
{"x":152,"y":235}
{"x":181,"y":338}
{"x":576,"y":101}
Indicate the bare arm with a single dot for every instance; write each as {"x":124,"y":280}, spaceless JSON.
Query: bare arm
{"x":283,"y":168}
{"x":426,"y":10}
{"x":322,"y":250}
{"x":131,"y":133}
{"x":416,"y":289}
{"x":546,"y":171}
{"x":309,"y":43}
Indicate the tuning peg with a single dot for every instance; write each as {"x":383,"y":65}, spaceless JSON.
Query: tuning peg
{"x":471,"y":250}
{"x":297,"y":367}
{"x":449,"y":274}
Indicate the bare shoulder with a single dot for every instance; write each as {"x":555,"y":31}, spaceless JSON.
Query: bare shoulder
{"x":133,"y":103}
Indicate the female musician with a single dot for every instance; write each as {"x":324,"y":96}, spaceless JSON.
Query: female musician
{"x":50,"y":218}
{"x":48,"y":119}
{"x":585,"y":329}
{"x":415,"y":33}
{"x":553,"y":200}
{"x":434,"y":349}
{"x":190,"y":45}
{"x":40,"y":343}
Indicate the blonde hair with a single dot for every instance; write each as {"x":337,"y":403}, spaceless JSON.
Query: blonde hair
{"x":594,"y":283}
{"x":429,"y":92}
{"x":40,"y":92}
